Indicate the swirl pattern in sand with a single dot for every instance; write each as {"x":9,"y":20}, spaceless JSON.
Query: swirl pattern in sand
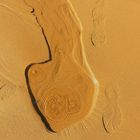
{"x":64,"y":87}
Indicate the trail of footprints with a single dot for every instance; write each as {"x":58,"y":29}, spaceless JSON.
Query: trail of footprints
{"x":112,"y":115}
{"x":64,"y":87}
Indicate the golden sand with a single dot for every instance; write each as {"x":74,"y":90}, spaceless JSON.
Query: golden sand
{"x":58,"y":45}
{"x":64,"y":87}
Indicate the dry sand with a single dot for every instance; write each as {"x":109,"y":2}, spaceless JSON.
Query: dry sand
{"x":111,"y":43}
{"x":63,"y":86}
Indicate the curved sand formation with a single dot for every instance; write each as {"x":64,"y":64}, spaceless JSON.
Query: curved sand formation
{"x":63,"y":89}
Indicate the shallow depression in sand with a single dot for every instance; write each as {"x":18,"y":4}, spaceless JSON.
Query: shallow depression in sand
{"x":63,"y":87}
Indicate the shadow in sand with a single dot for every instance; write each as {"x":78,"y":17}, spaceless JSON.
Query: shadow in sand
{"x":33,"y":100}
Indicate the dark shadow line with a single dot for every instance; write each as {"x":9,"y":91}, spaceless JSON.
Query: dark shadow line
{"x":33,"y":100}
{"x":104,"y":125}
{"x":92,"y":42}
{"x":34,"y":103}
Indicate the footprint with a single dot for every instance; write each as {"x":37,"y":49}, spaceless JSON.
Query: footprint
{"x":98,"y":37}
{"x":64,"y":86}
{"x":112,"y":116}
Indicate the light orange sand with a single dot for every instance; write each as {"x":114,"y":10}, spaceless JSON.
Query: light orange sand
{"x":111,"y":38}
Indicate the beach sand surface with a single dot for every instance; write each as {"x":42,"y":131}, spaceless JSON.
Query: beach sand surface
{"x":111,"y":35}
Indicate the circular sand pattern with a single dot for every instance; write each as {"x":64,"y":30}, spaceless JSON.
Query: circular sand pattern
{"x":60,"y":105}
{"x":41,"y":92}
{"x":55,"y":106}
{"x":36,"y":74}
{"x":73,"y":104}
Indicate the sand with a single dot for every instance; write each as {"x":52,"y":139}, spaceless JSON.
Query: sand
{"x":64,"y":87}
{"x":108,"y":35}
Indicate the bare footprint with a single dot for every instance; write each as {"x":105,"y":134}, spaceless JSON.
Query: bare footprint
{"x":98,"y":37}
{"x":63,"y":89}
{"x":112,"y":115}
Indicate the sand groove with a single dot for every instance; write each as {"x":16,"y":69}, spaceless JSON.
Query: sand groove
{"x":64,"y":87}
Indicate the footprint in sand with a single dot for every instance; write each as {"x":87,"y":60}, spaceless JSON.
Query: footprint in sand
{"x":63,"y":89}
{"x":112,"y":116}
{"x":98,"y":37}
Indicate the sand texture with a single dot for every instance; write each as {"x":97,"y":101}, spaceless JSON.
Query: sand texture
{"x":53,"y":57}
{"x":64,"y":87}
